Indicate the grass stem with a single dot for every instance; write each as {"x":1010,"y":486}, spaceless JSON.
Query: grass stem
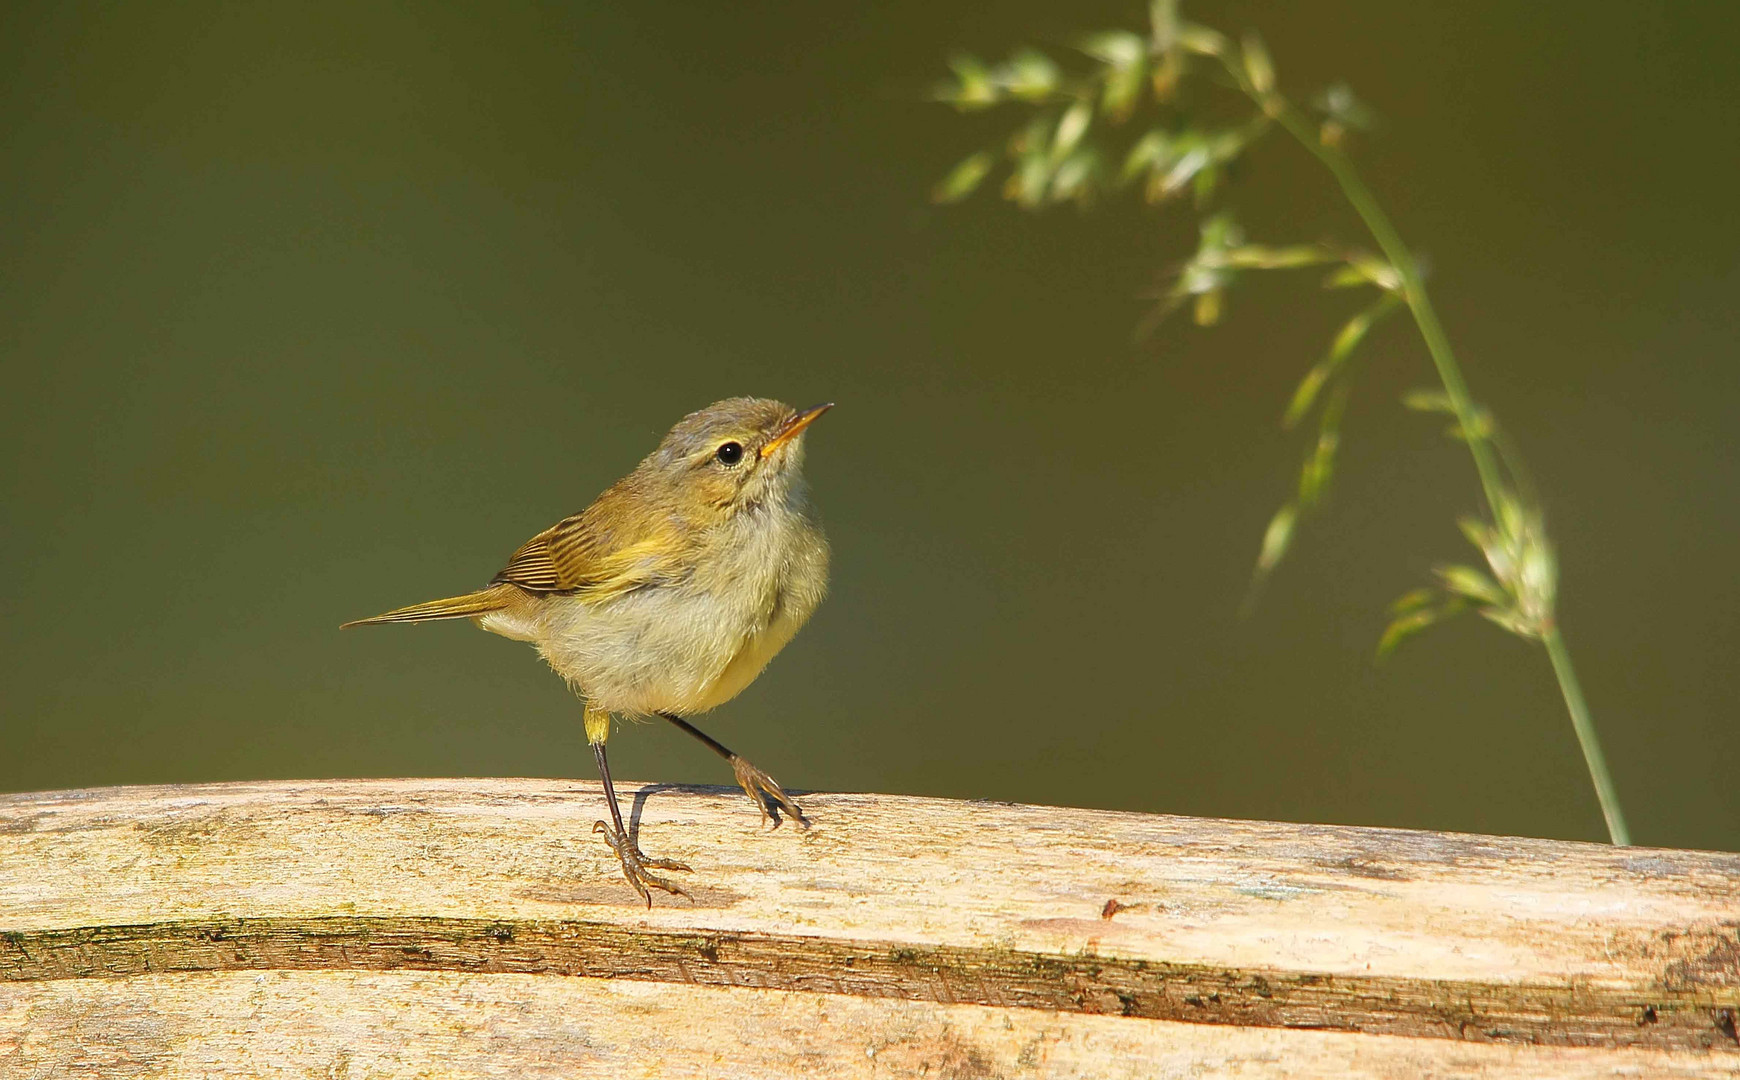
{"x":1456,"y":390}
{"x":1586,"y":738}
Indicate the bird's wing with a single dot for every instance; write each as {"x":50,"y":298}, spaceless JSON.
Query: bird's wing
{"x":599,"y":554}
{"x":532,"y":567}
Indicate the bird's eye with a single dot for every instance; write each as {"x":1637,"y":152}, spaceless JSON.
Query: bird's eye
{"x":730,"y":453}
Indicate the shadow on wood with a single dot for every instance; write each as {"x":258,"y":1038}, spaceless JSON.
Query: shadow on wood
{"x":460,"y":927}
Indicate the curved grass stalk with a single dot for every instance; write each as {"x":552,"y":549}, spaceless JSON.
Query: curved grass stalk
{"x":1413,"y":291}
{"x":1055,"y":159}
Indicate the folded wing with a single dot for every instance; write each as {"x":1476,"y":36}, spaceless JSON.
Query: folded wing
{"x":611,"y":548}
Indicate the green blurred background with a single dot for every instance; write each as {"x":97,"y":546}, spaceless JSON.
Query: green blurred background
{"x":311,"y":311}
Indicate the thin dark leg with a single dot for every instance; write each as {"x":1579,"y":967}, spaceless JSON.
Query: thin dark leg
{"x":714,"y":744}
{"x":761,"y":788}
{"x":609,"y":787}
{"x":634,"y":863}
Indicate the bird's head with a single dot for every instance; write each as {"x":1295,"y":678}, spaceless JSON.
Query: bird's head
{"x":740,"y":453}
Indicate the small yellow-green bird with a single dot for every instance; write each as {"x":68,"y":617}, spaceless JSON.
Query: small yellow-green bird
{"x":671,"y":592}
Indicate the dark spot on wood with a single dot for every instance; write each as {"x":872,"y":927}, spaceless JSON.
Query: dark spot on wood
{"x":1112,"y":908}
{"x":24,"y":823}
{"x":1726,"y":1025}
{"x":947,"y":1056}
{"x":1364,"y":867}
{"x":1717,"y":965}
{"x":1649,"y":1016}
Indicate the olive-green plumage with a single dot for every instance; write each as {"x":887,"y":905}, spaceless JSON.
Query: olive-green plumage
{"x":672,"y":591}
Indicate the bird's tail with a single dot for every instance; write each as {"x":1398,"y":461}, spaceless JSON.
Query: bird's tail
{"x":468,"y":606}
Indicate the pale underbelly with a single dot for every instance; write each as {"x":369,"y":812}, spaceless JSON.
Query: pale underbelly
{"x":749,"y":662}
{"x":655,"y":654}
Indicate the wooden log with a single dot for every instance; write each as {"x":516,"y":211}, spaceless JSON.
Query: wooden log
{"x":468,"y":927}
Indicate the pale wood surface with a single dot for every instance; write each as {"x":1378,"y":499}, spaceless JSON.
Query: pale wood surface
{"x":970,"y":918}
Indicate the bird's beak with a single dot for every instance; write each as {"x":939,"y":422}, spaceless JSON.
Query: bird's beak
{"x":792,"y":428}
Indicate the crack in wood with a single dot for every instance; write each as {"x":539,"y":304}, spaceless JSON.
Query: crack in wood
{"x":1579,"y":1014}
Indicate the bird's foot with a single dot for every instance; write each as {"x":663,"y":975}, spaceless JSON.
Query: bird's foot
{"x":635,"y":864}
{"x":765,"y":792}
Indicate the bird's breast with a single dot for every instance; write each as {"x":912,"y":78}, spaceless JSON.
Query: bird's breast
{"x":785,"y":570}
{"x":693,"y":644}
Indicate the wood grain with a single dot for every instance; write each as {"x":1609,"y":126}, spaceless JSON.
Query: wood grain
{"x":350,"y":1025}
{"x":889,"y":903}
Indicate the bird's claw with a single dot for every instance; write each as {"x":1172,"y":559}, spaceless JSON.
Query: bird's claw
{"x":635,"y":864}
{"x":765,"y":792}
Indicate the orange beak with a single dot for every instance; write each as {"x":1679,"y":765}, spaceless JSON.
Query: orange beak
{"x":790,"y":430}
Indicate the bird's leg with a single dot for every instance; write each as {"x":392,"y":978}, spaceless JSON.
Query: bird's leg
{"x":634,"y":864}
{"x":761,"y":788}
